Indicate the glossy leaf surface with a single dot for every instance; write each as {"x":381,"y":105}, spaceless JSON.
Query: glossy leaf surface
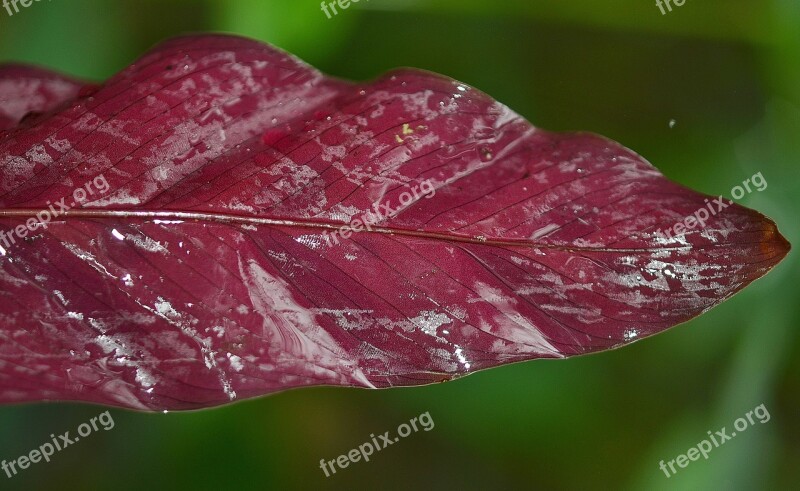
{"x":205,"y":265}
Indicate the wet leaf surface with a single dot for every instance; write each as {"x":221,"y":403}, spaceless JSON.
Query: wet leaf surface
{"x":251,"y":225}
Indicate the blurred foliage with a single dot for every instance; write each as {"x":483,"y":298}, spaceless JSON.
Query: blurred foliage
{"x":728,"y":73}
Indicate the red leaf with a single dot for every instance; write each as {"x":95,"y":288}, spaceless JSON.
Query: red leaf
{"x":26,"y":89}
{"x":206,"y":266}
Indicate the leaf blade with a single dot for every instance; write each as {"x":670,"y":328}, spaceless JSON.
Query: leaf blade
{"x":203,"y":274}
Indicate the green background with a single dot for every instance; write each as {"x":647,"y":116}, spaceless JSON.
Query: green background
{"x":728,"y":74}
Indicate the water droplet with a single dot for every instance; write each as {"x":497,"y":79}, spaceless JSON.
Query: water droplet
{"x":630,"y":334}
